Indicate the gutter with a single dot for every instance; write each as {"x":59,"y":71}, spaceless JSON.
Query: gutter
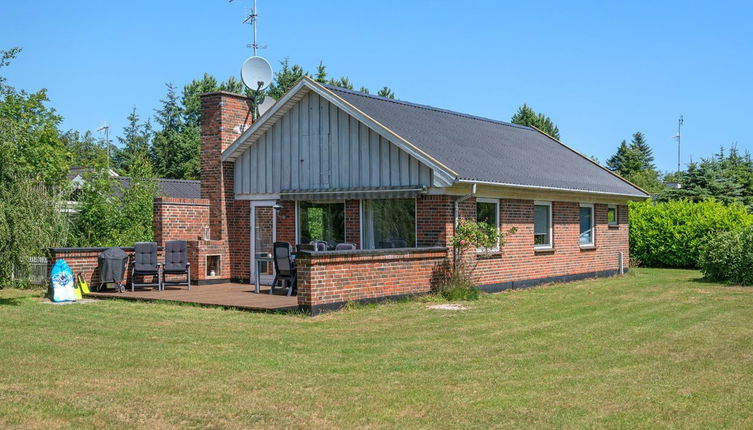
{"x":460,"y":200}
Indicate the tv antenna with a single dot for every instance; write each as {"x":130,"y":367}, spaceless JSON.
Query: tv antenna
{"x":106,"y":129}
{"x":251,"y":19}
{"x":678,"y":137}
{"x":256,"y":73}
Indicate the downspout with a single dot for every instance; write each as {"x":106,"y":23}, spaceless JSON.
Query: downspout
{"x":457,"y":215}
{"x":460,"y":200}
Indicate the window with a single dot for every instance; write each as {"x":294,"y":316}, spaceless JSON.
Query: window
{"x":586,"y":224}
{"x":389,"y":223}
{"x":321,"y":221}
{"x":612,"y":215}
{"x":542,"y":225}
{"x":487,"y":211}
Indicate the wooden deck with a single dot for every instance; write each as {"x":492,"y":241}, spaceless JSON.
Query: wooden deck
{"x":230,"y":295}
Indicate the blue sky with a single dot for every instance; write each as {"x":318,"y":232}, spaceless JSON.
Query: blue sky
{"x":600,"y":70}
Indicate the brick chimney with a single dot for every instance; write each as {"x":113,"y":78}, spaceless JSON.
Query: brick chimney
{"x":224,"y":117}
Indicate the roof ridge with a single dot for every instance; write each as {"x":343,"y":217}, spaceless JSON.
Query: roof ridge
{"x":427,"y":107}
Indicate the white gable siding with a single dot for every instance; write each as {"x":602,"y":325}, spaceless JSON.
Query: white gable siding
{"x":316,"y":145}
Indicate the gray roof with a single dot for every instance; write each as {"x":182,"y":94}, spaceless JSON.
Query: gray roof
{"x":178,"y":188}
{"x":481,"y":149}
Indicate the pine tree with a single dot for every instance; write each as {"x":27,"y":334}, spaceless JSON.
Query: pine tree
{"x":135,"y":143}
{"x":176,"y":147}
{"x":386,"y":92}
{"x":321,"y":73}
{"x":285,"y":79}
{"x":639,"y":144}
{"x":343,"y":82}
{"x":626,"y":160}
{"x":528,"y":117}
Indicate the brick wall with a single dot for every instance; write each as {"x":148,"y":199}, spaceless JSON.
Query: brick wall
{"x":179,"y":219}
{"x":86,"y":262}
{"x":353,"y":222}
{"x":286,"y":222}
{"x":328,"y":280}
{"x":518,"y":260}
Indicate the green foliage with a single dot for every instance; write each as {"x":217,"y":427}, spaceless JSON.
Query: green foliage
{"x":287,"y":76}
{"x":470,"y":233}
{"x":635,"y":162}
{"x":386,"y":92}
{"x":32,"y":219}
{"x":85,"y":149}
{"x":111,"y":214}
{"x":671,"y":234}
{"x":528,"y":117}
{"x":728,"y":257}
{"x":726,"y":176}
{"x":458,"y":287}
{"x":30,"y":142}
{"x":135,"y":144}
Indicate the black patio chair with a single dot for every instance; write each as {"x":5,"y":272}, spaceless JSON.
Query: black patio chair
{"x":284,"y":268}
{"x":145,"y":264}
{"x":344,"y":247}
{"x":176,"y":263}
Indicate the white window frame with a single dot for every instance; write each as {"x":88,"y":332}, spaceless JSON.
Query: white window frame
{"x":549,"y":245}
{"x":593,"y":226}
{"x":616,"y":215}
{"x":496,"y":203}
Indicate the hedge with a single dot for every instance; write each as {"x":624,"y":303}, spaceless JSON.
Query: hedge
{"x":671,"y":234}
{"x":729,"y":257}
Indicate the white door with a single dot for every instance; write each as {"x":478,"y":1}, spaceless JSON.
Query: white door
{"x":263,"y":235}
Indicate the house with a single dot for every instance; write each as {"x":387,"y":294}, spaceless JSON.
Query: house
{"x":178,"y":188}
{"x":391,"y":177}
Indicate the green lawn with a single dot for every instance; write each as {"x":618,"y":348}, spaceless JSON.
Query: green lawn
{"x":656,"y":348}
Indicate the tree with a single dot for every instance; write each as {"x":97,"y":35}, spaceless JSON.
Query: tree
{"x":626,"y":161}
{"x":343,"y":82}
{"x":639,"y":144}
{"x":528,"y":117}
{"x":112,"y":213}
{"x":176,"y":148}
{"x":135,"y":143}
{"x":386,"y":92}
{"x":33,"y":165}
{"x":29,"y":137}
{"x":85,"y":149}
{"x":634,"y":162}
{"x":287,"y":77}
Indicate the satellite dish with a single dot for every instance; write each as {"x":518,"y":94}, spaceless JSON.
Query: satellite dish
{"x":267,"y":103}
{"x":256,"y":73}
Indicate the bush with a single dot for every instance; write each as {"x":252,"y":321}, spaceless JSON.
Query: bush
{"x":671,"y":234}
{"x":728,"y":257}
{"x":458,"y":287}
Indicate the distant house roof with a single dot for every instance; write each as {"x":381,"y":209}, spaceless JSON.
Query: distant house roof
{"x":178,"y":188}
{"x":486,"y":150}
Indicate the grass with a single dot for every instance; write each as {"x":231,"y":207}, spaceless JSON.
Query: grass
{"x":653,"y":349}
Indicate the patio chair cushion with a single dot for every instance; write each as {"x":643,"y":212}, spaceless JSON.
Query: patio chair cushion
{"x":145,"y":257}
{"x":282,"y":259}
{"x":344,"y":247}
{"x":176,"y":256}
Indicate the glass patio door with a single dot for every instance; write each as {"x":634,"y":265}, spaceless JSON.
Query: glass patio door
{"x":263,"y":228}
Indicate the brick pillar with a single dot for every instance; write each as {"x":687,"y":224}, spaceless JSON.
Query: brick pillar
{"x":224,"y":116}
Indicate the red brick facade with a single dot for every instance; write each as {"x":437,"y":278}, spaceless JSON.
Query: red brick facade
{"x":180,"y":219}
{"x":331,"y":279}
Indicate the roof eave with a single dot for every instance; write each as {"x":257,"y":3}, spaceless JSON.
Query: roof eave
{"x":558,"y":189}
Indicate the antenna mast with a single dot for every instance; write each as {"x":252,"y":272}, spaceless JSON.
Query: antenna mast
{"x":106,"y":128}
{"x":251,"y":19}
{"x":679,"y":136}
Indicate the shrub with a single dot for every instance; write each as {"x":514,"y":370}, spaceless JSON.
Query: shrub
{"x":671,"y":234}
{"x":458,"y":287}
{"x":729,"y":257}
